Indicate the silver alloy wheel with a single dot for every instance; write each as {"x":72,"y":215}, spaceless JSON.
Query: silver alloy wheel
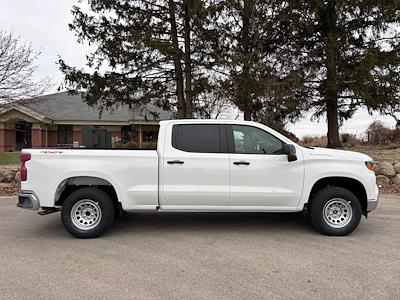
{"x":337,"y":212}
{"x":86,"y":214}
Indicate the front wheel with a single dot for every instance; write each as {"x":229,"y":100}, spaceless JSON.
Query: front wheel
{"x":335,"y":211}
{"x":87,"y":213}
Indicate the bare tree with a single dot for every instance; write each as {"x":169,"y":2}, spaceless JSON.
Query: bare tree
{"x":214,"y":105}
{"x":17,"y":69}
{"x":393,"y":110}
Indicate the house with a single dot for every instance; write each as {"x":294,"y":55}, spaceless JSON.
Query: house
{"x":63,"y":120}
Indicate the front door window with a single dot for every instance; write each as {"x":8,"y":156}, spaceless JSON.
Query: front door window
{"x":253,"y":140}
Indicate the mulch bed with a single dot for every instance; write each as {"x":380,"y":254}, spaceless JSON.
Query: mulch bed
{"x":389,"y":189}
{"x":9,"y":189}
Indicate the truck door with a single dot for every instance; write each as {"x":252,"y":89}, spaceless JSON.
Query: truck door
{"x":261,"y":176}
{"x":194,"y":168}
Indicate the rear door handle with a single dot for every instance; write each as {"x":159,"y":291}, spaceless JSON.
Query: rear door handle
{"x":242,"y":162}
{"x":173,"y":162}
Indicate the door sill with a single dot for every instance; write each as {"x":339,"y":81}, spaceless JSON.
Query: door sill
{"x":172,"y":208}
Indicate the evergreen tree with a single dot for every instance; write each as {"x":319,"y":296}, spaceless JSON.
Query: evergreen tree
{"x":146,"y":51}
{"x":254,"y":75}
{"x":349,"y":51}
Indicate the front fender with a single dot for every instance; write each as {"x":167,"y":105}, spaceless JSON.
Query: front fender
{"x":353,"y":170}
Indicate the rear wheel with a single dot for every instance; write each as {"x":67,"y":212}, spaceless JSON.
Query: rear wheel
{"x":335,"y":211}
{"x":87,"y":213}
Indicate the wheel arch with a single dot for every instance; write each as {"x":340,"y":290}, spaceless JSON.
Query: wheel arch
{"x":71,"y":184}
{"x":353,"y":185}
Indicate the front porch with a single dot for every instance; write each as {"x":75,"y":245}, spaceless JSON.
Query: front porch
{"x":20,"y":128}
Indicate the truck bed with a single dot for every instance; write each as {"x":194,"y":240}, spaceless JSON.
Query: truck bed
{"x":133,"y":173}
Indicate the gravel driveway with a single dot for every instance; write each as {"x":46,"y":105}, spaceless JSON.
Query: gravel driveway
{"x":199,"y":256}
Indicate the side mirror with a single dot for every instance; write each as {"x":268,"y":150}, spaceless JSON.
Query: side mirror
{"x":290,"y":151}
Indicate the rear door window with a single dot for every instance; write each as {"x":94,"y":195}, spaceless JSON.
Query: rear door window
{"x":200,"y":138}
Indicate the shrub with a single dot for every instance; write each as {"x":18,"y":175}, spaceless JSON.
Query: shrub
{"x":134,"y":145}
{"x":378,"y":134}
{"x":128,"y":145}
{"x":350,"y":139}
{"x":149,"y":145}
{"x":314,"y":141}
{"x":347,"y":139}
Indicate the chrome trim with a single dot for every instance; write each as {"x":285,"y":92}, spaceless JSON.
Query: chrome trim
{"x":34,"y":203}
{"x":372,"y":204}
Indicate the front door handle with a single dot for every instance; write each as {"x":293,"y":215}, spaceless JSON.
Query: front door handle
{"x":242,"y":162}
{"x":173,"y":162}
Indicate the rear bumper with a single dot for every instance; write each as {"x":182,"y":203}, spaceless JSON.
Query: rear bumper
{"x":28,"y":200}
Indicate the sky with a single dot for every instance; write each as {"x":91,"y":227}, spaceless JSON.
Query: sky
{"x":44,"y":24}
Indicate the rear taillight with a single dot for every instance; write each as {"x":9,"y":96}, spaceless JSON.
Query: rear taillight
{"x":24,"y":171}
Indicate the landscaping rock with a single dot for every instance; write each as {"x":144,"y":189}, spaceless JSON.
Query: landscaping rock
{"x":386,"y":168}
{"x":17,"y":177}
{"x":395,"y":180}
{"x":382,"y":179}
{"x":397,"y":168}
{"x":8,"y":174}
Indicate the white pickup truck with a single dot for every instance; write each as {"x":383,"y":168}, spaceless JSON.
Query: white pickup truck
{"x":200,"y":166}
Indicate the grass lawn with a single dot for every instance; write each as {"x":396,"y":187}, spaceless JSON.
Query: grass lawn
{"x":9,"y":158}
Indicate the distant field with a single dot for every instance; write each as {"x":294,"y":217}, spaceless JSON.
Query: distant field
{"x":9,"y":158}
{"x":378,"y":153}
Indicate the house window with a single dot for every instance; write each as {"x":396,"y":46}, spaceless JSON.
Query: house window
{"x":65,"y":134}
{"x":127,"y":134}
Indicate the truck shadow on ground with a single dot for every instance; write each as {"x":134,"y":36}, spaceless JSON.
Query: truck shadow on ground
{"x":196,"y":223}
{"x":211,"y":222}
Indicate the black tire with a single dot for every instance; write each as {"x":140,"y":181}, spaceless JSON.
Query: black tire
{"x":101,"y":201}
{"x":348,"y":214}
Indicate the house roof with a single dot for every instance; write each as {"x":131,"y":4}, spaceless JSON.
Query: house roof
{"x":64,"y":107}
{"x":24,"y":111}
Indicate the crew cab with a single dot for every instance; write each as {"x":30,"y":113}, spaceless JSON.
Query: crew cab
{"x":200,"y":166}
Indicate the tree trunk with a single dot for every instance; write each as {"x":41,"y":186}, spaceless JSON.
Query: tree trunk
{"x":247,"y":115}
{"x":244,"y":89}
{"x":331,"y":97}
{"x":188,"y":62}
{"x":177,"y":62}
{"x":333,"y":124}
{"x":330,"y":93}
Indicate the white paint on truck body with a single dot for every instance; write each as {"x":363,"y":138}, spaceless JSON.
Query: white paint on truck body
{"x":143,"y":179}
{"x":133,"y":174}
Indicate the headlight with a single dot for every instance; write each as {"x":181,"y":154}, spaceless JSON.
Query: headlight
{"x":369,"y":165}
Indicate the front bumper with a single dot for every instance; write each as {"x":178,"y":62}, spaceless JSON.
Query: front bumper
{"x":373,"y":203}
{"x":28,"y":200}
